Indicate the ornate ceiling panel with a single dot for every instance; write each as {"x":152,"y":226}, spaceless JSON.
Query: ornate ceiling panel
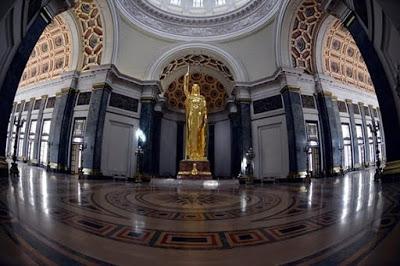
{"x":51,"y":55}
{"x":343,"y":60}
{"x":89,"y":18}
{"x":193,"y":60}
{"x":211,"y":89}
{"x":305,"y":28}
{"x":170,"y":25}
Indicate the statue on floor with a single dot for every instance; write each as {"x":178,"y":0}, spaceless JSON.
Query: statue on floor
{"x":196,"y":121}
{"x":195,"y":165}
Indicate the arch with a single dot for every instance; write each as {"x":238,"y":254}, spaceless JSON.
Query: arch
{"x":298,"y":26}
{"x":237,"y":69}
{"x":338,"y":56}
{"x":282,"y":32}
{"x":97,"y":36}
{"x":52,"y":54}
{"x":211,"y":88}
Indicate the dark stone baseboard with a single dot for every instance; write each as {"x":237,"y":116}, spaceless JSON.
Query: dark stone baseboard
{"x":291,"y":180}
{"x":390,"y":178}
{"x":95,"y":177}
{"x":4,"y":173}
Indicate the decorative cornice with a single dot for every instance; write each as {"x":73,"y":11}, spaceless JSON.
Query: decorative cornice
{"x":225,"y":26}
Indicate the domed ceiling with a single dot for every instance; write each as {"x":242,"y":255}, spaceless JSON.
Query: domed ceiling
{"x":202,"y":20}
{"x":198,"y":8}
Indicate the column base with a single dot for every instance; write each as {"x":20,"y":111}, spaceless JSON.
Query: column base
{"x":58,"y":168}
{"x":391,"y":172}
{"x":194,"y":170}
{"x":33,"y":162}
{"x":88,"y":173}
{"x":4,"y":172}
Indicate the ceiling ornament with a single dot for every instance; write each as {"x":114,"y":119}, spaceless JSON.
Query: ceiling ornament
{"x":197,"y":60}
{"x":51,"y":55}
{"x":89,"y":18}
{"x":211,"y":89}
{"x":343,"y":60}
{"x":198,"y":8}
{"x":305,"y":27}
{"x":240,"y":21}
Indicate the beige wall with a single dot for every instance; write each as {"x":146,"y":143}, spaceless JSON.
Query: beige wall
{"x":138,"y":50}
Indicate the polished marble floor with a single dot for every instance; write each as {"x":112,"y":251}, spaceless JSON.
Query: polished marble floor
{"x":50,"y":218}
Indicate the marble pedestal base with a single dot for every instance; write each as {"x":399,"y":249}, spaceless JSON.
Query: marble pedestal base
{"x":194,"y":170}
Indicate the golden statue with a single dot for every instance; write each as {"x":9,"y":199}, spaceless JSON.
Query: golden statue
{"x":196,"y":121}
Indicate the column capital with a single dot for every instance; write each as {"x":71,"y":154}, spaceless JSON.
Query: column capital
{"x":348,"y":101}
{"x":44,"y":96}
{"x":160,"y":103}
{"x":101,"y":86}
{"x":326,"y":94}
{"x":150,"y":92}
{"x":55,"y":7}
{"x":334,"y":98}
{"x":290,"y":89}
{"x":242,"y":94}
{"x":66,"y":91}
{"x":339,"y":9}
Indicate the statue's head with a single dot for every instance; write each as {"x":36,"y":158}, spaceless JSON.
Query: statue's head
{"x":196,"y":89}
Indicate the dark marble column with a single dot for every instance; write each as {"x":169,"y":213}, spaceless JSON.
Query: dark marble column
{"x":18,"y":118}
{"x":11,"y":81}
{"x":331,"y":139}
{"x":241,"y":138}
{"x":10,"y":130}
{"x":180,"y":142}
{"x":147,"y":122}
{"x":91,"y":155}
{"x":211,"y":146}
{"x":365,"y":133}
{"x":382,"y":129}
{"x":61,"y":125}
{"x":297,"y":137}
{"x":245,"y":122}
{"x":236,"y":146}
{"x":150,"y":124}
{"x":27,"y":129}
{"x":371,"y":111}
{"x":356,"y":161}
{"x":339,"y":125}
{"x":36,"y":142}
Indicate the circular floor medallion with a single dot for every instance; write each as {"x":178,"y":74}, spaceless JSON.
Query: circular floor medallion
{"x":192,"y":205}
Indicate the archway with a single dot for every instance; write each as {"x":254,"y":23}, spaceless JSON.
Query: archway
{"x":301,"y":54}
{"x":88,"y":26}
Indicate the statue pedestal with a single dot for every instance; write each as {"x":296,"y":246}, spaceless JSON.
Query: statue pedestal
{"x":194,"y":170}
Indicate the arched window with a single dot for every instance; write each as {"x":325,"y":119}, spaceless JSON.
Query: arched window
{"x":197,"y":3}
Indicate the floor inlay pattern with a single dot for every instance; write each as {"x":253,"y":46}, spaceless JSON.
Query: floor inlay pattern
{"x":348,"y":217}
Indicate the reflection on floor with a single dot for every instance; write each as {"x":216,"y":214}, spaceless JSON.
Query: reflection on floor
{"x":51,"y":218}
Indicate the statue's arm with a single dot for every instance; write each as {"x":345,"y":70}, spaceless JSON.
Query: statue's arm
{"x":205,"y":112}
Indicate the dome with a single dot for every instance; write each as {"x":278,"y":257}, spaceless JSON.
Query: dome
{"x":198,"y":8}
{"x":198,"y":20}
